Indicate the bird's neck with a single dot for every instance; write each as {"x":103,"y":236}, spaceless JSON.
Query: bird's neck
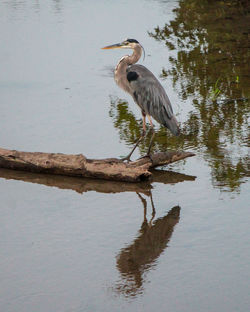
{"x":134,"y":58}
{"x":131,"y":59}
{"x":125,"y":61}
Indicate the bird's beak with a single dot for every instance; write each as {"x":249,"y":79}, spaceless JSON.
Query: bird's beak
{"x":113,"y":46}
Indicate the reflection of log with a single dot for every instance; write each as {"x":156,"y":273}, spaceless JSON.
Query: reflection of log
{"x":166,"y":177}
{"x":80,"y":166}
{"x":81,"y":185}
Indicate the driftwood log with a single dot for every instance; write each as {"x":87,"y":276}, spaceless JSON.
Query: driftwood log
{"x":80,"y":166}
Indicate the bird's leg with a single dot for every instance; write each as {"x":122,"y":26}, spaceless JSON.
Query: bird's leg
{"x":150,"y":121}
{"x":152,"y":137}
{"x":151,"y":142}
{"x":139,"y":140}
{"x":144,"y":122}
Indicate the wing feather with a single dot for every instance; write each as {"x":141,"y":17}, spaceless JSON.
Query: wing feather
{"x":149,"y":94}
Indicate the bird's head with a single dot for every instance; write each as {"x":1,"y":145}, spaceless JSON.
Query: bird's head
{"x":126,"y":44}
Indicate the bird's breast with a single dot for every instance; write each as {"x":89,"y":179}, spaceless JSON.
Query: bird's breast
{"x":121,"y":80}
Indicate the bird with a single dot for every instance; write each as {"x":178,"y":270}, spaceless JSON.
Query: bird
{"x":145,"y":89}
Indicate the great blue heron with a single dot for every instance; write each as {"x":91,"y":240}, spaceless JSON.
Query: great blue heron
{"x":145,"y":89}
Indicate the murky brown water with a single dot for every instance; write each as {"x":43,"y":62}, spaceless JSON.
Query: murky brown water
{"x":179,"y":243}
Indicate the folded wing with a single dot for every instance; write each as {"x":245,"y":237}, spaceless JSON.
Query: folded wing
{"x":151,"y":97}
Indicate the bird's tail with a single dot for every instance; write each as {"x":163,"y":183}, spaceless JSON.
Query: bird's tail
{"x":173,"y":126}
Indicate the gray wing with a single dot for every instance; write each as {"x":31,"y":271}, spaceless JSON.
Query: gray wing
{"x":149,"y":94}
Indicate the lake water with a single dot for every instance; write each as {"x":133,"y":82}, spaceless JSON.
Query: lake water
{"x":179,"y":243}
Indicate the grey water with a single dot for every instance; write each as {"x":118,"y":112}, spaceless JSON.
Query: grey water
{"x":179,"y":243}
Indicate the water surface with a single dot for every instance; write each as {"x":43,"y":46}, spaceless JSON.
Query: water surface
{"x":179,"y":243}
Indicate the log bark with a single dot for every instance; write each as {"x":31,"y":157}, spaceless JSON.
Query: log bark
{"x":80,"y":166}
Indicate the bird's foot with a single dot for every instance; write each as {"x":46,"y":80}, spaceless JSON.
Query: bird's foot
{"x":127,"y":159}
{"x":148,"y":155}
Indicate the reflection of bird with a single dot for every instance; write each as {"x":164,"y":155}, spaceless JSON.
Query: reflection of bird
{"x":136,"y":259}
{"x":145,"y":89}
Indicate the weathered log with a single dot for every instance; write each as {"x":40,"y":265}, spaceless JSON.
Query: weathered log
{"x":80,"y":166}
